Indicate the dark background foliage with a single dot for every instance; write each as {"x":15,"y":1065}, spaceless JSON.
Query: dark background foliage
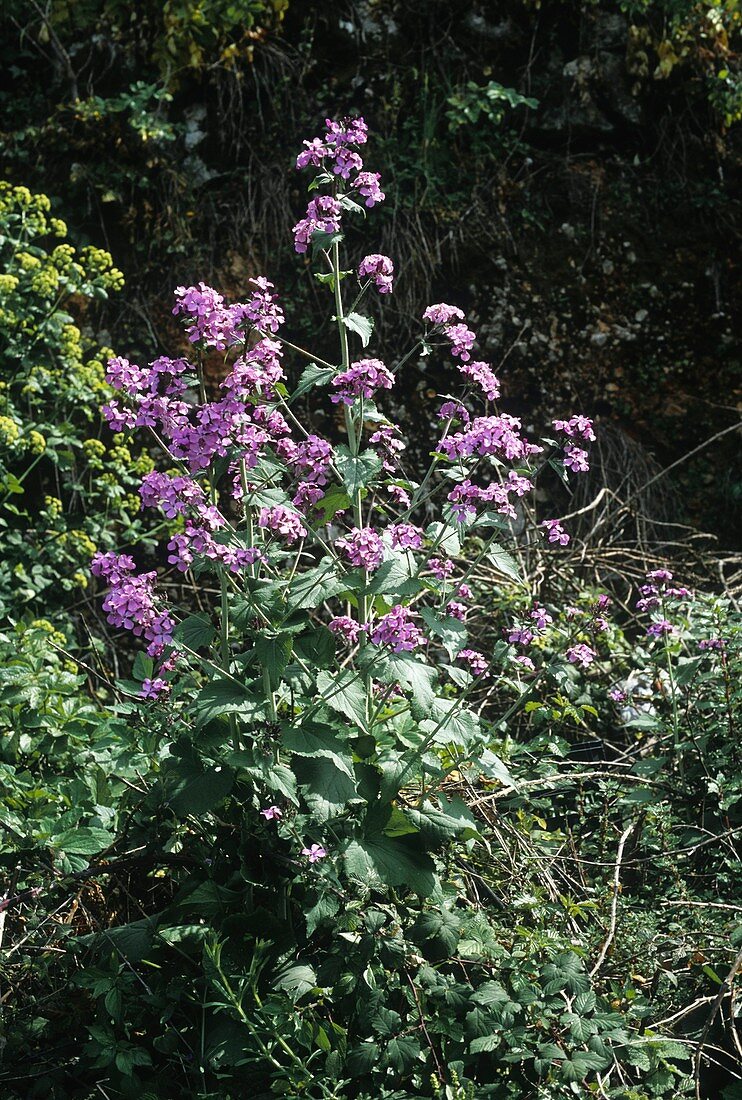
{"x":592,"y":237}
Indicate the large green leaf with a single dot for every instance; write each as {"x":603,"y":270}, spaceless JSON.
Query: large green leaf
{"x":327,"y":789}
{"x":409,"y":672}
{"x":344,"y":693}
{"x":312,"y":376}
{"x":451,"y":632}
{"x":85,"y":840}
{"x":364,"y":326}
{"x":316,"y":585}
{"x":504,"y":563}
{"x":396,"y":577}
{"x":453,"y":723}
{"x":357,"y":471}
{"x":388,"y":861}
{"x":312,"y":739}
{"x":196,"y":631}
{"x":195,"y":789}
{"x":273,"y":652}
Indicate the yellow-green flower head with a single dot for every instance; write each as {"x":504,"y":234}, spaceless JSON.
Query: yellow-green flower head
{"x":9,"y":431}
{"x":27,"y":262}
{"x":35,"y":442}
{"x":58,"y":227}
{"x":80,"y":579}
{"x":8,"y":284}
{"x":94,"y":448}
{"x":53,"y":506}
{"x":82,"y":543}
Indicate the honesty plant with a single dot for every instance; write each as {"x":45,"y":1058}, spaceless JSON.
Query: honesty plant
{"x":338,"y":658}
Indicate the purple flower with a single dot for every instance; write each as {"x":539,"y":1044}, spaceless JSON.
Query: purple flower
{"x":526,"y":662}
{"x":261,"y":308}
{"x":307,"y":495}
{"x":659,"y":575}
{"x":397,"y":631}
{"x":272,"y":813}
{"x":463,"y":591}
{"x":153,"y":689}
{"x":368,"y":184}
{"x":456,"y":610}
{"x":617,"y":695}
{"x":380,"y":269}
{"x":362,"y":379}
{"x":346,"y":628}
{"x":406,"y":536}
{"x":323,"y":215}
{"x":660,"y":629}
{"x":462,"y":340}
{"x":476,"y":661}
{"x":257,"y":371}
{"x":363,"y":547}
{"x":346,"y":131}
{"x":175,"y":495}
{"x":314,"y":853}
{"x":454,"y":410}
{"x":484,"y":376}
{"x":541,"y":617}
{"x":575,"y":459}
{"x":283,"y":522}
{"x":389,"y":446}
{"x":130,"y":602}
{"x":315,"y":152}
{"x":442,"y":314}
{"x":489,"y":435}
{"x":577,"y":426}
{"x":399,"y":495}
{"x":581,"y":654}
{"x":712,"y":643}
{"x":123,"y":375}
{"x":209,"y":320}
{"x":196,"y":540}
{"x":441,"y":568}
{"x":555,"y":531}
{"x":520,"y":635}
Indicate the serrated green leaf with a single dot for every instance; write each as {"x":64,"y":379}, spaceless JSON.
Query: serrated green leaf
{"x":196,"y":632}
{"x":389,"y":861}
{"x":357,"y":471}
{"x":364,"y":326}
{"x":345,"y":694}
{"x":327,"y":789}
{"x":504,"y":563}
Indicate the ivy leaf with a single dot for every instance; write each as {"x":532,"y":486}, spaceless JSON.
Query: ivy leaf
{"x":364,"y":326}
{"x":196,"y":789}
{"x":458,"y":725}
{"x":504,"y":563}
{"x":440,"y":925}
{"x":311,"y":377}
{"x":357,"y":471}
{"x":335,"y":500}
{"x":411,"y":673}
{"x":401,"y":1054}
{"x":196,"y":632}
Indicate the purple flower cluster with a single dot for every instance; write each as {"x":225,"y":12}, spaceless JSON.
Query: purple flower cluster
{"x":257,"y":371}
{"x":336,"y":153}
{"x":389,"y":446}
{"x":555,"y":531}
{"x":476,"y":661}
{"x":397,"y":630}
{"x":197,"y":541}
{"x":130,"y":602}
{"x":489,"y":435}
{"x":405,"y":536}
{"x":577,"y":427}
{"x":581,"y":655}
{"x":209,"y":320}
{"x":362,"y":379}
{"x":282,"y":521}
{"x":465,"y":496}
{"x":380,"y":269}
{"x":346,"y":628}
{"x":177,"y":496}
{"x":154,"y":688}
{"x":363,"y":547}
{"x":485,"y":378}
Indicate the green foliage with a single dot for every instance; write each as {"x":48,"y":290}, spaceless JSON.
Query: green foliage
{"x":58,"y":479}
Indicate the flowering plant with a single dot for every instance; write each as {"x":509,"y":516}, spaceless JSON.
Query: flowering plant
{"x":336,"y":662}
